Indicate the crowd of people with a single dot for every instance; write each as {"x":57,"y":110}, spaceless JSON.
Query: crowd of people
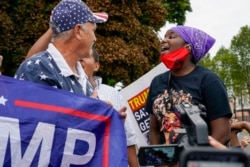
{"x":68,"y":61}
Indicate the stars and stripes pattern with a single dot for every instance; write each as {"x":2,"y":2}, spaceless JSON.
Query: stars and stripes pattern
{"x":43,"y":69}
{"x":69,"y":13}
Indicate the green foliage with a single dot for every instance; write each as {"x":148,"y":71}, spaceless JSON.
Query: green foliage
{"x":206,"y":61}
{"x":177,"y":11}
{"x":233,"y":64}
{"x":240,"y":47}
{"x":22,"y":22}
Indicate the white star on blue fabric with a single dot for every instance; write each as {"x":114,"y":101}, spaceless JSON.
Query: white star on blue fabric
{"x":29,"y":62}
{"x":73,"y":82}
{"x":38,"y":61}
{"x":43,"y":77}
{"x":51,"y":66}
{"x":3,"y":100}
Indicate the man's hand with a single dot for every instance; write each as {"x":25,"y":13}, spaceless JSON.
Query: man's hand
{"x":245,"y":141}
{"x":236,"y":125}
{"x":123,"y":113}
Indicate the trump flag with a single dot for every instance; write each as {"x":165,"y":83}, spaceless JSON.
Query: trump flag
{"x":43,"y":126}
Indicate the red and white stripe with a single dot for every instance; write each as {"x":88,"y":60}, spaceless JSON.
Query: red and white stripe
{"x":103,"y":16}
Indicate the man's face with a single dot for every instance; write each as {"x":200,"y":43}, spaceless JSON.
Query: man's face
{"x":88,"y":38}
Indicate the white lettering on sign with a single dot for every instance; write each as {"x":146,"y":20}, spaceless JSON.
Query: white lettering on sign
{"x":72,"y":136}
{"x":141,"y":114}
{"x":42,"y":137}
{"x":144,"y":125}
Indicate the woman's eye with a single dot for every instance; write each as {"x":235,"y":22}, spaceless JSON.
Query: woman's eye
{"x":172,"y":37}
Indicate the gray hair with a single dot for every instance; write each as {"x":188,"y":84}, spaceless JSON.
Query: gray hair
{"x":64,"y":36}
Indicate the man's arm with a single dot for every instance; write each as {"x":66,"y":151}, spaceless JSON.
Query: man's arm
{"x":236,"y":127}
{"x":41,"y":44}
{"x":240,"y":125}
{"x":214,"y":143}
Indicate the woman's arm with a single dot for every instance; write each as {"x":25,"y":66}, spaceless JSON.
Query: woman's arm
{"x":221,"y":129}
{"x":154,"y":134}
{"x":132,"y":156}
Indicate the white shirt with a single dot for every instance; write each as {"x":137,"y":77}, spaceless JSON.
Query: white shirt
{"x":109,"y":93}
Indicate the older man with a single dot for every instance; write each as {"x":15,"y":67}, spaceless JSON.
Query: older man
{"x":73,"y":25}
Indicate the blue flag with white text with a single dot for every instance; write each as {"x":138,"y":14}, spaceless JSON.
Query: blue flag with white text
{"x":44,"y":126}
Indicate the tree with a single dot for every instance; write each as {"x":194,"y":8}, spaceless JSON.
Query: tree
{"x":21,"y":24}
{"x":128,"y":44}
{"x":177,"y":11}
{"x":225,"y":64}
{"x":240,"y":47}
{"x":233,"y":64}
{"x":206,"y":61}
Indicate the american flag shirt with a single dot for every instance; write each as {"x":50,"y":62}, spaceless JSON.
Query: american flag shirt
{"x":50,"y":68}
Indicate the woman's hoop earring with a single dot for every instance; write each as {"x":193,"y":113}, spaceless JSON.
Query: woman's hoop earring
{"x":189,"y":47}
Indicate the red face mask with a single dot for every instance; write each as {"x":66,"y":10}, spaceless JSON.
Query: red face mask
{"x":175,"y":59}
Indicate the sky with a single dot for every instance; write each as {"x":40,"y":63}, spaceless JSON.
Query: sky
{"x":222,"y":19}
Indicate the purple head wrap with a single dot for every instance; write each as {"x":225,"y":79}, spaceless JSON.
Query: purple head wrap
{"x":200,"y":41}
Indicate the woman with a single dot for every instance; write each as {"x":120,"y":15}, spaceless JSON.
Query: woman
{"x":181,"y":50}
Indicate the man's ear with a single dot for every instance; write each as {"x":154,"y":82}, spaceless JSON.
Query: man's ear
{"x":78,"y":30}
{"x":97,"y":66}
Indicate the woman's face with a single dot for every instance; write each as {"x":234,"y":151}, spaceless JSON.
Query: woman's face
{"x":171,"y":42}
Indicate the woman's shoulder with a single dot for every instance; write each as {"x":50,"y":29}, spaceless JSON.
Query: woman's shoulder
{"x":161,"y":76}
{"x":205,"y":72}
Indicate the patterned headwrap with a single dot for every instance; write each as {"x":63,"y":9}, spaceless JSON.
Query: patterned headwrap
{"x":200,"y":41}
{"x":69,"y":13}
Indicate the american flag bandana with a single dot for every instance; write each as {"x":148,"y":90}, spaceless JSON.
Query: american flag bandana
{"x":69,"y":13}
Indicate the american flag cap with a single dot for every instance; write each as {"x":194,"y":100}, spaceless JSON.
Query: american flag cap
{"x":69,"y":13}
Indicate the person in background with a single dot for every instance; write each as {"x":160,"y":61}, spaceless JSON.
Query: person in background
{"x":110,"y":95}
{"x":235,"y":143}
{"x":237,"y":127}
{"x":185,"y":81}
{"x":245,"y":142}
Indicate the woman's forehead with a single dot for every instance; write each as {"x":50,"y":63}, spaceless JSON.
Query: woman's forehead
{"x":171,"y":32}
